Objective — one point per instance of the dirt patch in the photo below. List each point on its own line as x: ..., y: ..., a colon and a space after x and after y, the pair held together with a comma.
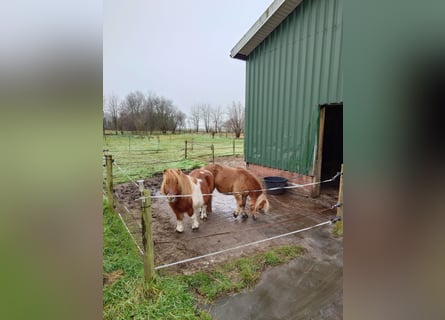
x: 111, y: 277
x: 288, y: 212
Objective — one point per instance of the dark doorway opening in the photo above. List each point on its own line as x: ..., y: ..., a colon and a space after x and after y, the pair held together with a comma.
x: 332, y: 144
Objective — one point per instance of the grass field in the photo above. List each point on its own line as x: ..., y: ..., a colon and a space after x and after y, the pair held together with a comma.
x: 169, y: 296
x: 139, y: 156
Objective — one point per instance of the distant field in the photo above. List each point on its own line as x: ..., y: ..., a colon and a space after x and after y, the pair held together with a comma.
x: 140, y: 156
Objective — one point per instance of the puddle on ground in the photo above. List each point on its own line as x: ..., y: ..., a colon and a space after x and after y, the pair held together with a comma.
x: 309, y: 287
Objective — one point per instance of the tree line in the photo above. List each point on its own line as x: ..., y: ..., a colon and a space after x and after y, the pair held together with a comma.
x: 145, y: 113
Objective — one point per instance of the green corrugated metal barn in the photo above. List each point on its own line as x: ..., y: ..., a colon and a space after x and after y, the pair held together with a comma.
x: 294, y: 90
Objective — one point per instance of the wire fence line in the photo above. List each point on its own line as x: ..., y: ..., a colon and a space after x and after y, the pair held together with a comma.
x: 126, y: 227
x: 169, y: 150
x: 151, y: 165
x: 125, y: 173
x: 331, y: 221
x: 293, y: 186
x: 150, y: 162
x: 301, y: 216
x: 172, y: 145
x: 128, y: 230
x: 150, y: 159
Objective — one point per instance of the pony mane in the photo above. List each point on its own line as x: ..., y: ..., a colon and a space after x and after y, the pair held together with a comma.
x: 251, y: 176
x: 172, y: 176
x: 255, y: 178
x: 212, y: 168
x: 218, y: 168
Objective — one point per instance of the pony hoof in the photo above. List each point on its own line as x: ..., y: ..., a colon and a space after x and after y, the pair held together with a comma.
x: 254, y: 217
x: 194, y: 229
x: 235, y: 215
x: 245, y: 216
x: 205, y: 218
x: 177, y: 231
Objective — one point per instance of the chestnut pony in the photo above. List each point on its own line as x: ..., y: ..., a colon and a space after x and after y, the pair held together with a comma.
x: 198, y: 184
x: 242, y: 183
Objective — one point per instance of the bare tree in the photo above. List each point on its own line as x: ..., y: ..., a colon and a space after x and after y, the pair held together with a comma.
x: 141, y: 113
x: 149, y: 112
x: 164, y: 114
x: 189, y: 124
x: 178, y: 120
x: 125, y: 119
x: 206, y: 113
x: 236, y: 118
x: 113, y: 108
x: 134, y: 105
x: 195, y: 117
x: 217, y: 118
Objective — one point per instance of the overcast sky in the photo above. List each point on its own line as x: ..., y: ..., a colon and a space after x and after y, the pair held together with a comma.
x: 178, y: 49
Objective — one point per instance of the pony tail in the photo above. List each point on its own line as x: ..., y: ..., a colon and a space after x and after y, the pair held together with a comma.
x: 262, y: 200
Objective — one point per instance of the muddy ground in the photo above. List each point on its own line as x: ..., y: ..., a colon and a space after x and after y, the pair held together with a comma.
x: 288, y: 212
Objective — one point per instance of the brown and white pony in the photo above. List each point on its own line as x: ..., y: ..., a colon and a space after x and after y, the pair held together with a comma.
x: 241, y: 183
x: 198, y: 184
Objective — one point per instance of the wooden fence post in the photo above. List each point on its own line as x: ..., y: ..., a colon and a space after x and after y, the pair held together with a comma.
x: 109, y: 166
x: 213, y: 152
x: 147, y: 236
x: 185, y: 155
x: 233, y: 146
x: 339, y: 224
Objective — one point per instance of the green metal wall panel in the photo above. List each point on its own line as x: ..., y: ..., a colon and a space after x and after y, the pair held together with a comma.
x: 294, y: 70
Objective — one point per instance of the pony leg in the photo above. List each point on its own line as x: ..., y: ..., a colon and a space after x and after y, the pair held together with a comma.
x: 195, y: 222
x: 209, y: 205
x: 179, y: 226
x: 243, y: 207
x: 238, y: 209
x: 204, y: 213
x: 252, y: 211
x: 193, y: 214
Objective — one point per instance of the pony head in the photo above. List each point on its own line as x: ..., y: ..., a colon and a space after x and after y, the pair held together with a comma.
x: 262, y: 203
x: 171, y: 185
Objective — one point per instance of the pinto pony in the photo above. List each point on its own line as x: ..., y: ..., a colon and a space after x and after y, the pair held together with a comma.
x: 242, y: 183
x: 198, y: 185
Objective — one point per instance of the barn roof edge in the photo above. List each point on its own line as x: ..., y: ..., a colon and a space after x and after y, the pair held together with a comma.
x: 260, y: 30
